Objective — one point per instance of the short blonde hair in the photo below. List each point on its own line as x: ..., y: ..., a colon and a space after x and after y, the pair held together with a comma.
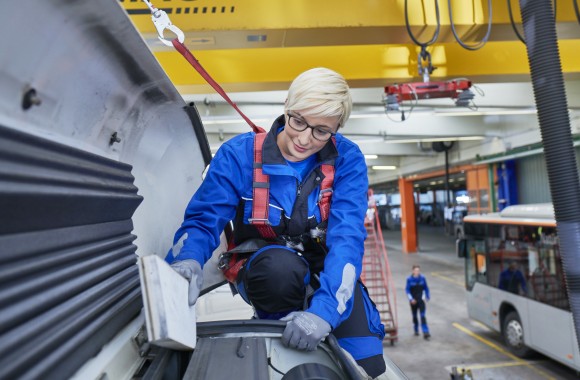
x: 320, y: 92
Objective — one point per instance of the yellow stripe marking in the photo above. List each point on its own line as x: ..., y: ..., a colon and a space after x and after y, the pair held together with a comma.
x: 446, y: 278
x: 491, y: 365
x: 501, y: 350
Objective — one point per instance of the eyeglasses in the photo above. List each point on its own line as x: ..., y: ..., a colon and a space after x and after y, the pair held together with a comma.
x: 299, y: 125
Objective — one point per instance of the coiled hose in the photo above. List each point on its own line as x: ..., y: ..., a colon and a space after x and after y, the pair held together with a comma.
x: 552, y: 106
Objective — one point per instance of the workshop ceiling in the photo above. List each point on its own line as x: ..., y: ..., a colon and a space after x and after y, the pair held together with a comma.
x: 255, y: 48
x: 257, y: 45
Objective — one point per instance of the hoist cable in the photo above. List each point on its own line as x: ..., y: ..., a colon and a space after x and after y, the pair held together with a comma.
x: 513, y: 23
x: 435, y: 34
x: 478, y: 45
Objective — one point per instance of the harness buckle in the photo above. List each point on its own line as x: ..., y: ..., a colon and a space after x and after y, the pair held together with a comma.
x: 260, y: 220
x: 324, y: 193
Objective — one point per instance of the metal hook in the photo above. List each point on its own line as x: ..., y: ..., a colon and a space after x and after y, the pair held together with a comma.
x: 162, y: 22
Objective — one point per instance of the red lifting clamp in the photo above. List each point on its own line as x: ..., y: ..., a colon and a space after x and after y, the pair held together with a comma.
x: 455, y: 89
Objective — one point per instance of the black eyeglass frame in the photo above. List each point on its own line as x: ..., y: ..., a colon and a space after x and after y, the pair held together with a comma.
x: 332, y: 134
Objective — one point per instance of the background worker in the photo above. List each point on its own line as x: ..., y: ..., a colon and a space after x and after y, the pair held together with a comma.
x: 418, y: 294
x: 512, y: 279
x: 298, y: 250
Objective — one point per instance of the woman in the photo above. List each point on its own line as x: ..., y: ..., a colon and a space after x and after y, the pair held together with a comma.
x: 303, y: 265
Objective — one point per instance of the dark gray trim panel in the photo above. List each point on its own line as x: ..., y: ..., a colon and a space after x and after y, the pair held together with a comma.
x: 68, y: 279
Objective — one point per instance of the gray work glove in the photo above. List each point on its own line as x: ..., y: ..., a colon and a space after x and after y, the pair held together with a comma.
x: 304, y: 330
x: 191, y: 270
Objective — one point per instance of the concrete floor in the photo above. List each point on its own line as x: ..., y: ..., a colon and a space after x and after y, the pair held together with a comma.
x: 456, y: 340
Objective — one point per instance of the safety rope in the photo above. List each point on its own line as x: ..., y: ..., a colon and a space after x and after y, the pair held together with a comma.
x: 162, y: 23
x: 180, y: 47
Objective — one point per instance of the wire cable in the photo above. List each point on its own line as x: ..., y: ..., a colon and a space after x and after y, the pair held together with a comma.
x: 435, y: 34
x: 274, y: 368
x: 478, y: 45
x: 513, y: 23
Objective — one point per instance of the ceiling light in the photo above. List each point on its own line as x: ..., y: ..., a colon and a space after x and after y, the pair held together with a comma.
x: 367, y: 115
x: 232, y: 121
x: 433, y: 183
x: 488, y: 113
x: 371, y: 156
x: 383, y: 167
x: 435, y: 139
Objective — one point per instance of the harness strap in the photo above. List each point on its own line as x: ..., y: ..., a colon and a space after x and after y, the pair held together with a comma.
x: 325, y: 194
x: 180, y: 47
x: 261, y: 192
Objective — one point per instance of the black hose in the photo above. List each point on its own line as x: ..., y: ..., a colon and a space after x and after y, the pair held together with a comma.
x: 481, y: 43
x: 513, y: 23
x: 576, y: 10
x: 552, y: 106
x: 435, y: 34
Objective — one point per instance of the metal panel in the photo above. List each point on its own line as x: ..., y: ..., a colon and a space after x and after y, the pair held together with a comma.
x: 533, y: 180
x: 246, y: 358
x: 68, y: 280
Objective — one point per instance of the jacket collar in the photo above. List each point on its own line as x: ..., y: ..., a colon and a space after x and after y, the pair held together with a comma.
x: 271, y: 152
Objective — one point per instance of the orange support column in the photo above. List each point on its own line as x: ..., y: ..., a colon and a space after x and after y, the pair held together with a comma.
x: 408, y: 217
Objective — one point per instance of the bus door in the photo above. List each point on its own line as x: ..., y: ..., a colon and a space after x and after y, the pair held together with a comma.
x: 479, y: 301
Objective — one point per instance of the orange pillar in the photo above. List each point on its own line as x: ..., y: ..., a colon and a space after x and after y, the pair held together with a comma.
x: 408, y: 217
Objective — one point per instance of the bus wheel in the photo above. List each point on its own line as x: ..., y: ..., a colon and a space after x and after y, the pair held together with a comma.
x: 513, y: 335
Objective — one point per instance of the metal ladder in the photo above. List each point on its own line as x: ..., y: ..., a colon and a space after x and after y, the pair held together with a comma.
x: 376, y: 273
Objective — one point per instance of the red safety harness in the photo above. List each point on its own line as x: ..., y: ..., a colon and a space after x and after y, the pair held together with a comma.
x: 261, y: 192
x: 261, y: 181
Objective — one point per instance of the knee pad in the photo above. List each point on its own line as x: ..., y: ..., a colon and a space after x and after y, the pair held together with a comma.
x: 274, y: 280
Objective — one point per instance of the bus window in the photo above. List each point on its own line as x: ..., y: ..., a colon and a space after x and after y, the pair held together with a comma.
x: 546, y: 274
x: 476, y: 267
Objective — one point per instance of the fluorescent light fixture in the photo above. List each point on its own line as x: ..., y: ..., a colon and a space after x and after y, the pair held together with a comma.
x: 487, y: 113
x: 462, y: 199
x: 232, y: 121
x: 371, y: 156
x: 435, y: 139
x: 383, y: 167
x: 368, y: 115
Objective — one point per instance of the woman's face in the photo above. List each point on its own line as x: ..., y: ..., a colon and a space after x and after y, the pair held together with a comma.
x: 297, y: 146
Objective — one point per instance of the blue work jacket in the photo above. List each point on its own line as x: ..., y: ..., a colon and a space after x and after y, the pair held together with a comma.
x: 229, y: 183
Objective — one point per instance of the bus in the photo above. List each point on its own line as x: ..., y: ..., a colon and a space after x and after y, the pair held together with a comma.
x: 515, y: 281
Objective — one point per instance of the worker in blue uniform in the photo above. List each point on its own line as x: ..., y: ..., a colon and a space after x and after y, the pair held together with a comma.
x: 418, y: 294
x: 308, y: 273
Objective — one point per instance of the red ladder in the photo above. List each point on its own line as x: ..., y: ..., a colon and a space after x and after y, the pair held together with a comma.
x: 376, y: 273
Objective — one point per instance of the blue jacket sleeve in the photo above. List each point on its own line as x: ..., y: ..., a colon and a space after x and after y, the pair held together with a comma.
x: 212, y: 206
x: 522, y: 280
x: 408, y: 289
x: 426, y: 289
x: 345, y: 239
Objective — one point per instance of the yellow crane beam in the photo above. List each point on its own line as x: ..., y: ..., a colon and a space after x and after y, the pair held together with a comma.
x: 255, y: 45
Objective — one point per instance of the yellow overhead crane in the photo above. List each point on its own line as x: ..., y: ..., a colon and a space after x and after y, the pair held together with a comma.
x: 257, y: 45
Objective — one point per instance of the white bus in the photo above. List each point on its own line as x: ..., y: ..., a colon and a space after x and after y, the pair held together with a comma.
x: 515, y: 281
